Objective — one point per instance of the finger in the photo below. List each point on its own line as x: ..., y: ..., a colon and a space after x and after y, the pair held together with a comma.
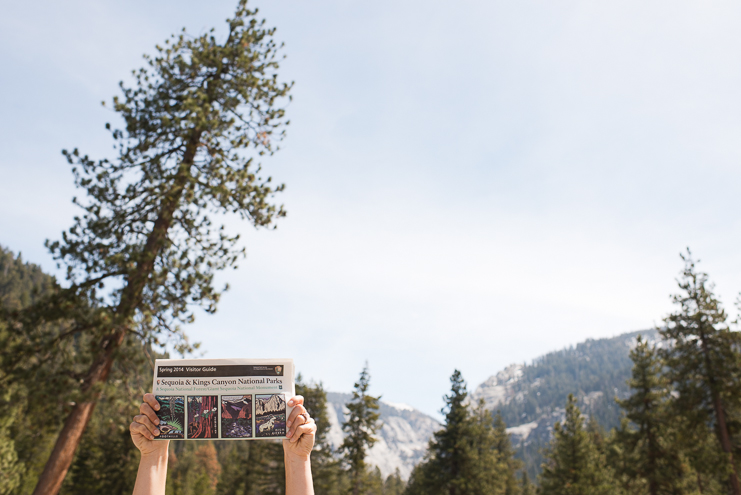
x: 146, y: 409
x: 296, y: 411
x: 308, y: 429
x: 298, y: 421
x: 295, y: 400
x: 296, y: 426
x: 141, y: 430
x: 144, y: 420
x: 152, y: 401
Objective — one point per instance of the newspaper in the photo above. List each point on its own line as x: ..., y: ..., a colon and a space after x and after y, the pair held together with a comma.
x: 225, y: 399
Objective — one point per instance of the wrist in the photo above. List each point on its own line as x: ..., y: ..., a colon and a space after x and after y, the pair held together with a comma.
x: 296, y: 458
x: 155, y: 455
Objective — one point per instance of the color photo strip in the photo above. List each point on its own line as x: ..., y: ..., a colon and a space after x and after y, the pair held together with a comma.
x: 227, y: 417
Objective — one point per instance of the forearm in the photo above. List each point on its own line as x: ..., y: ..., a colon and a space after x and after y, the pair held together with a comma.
x: 152, y: 474
x: 298, y: 476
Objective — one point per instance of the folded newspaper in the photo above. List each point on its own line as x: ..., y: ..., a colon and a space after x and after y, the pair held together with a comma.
x: 229, y: 399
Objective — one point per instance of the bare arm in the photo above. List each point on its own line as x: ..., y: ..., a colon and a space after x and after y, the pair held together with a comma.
x: 152, y: 474
x: 297, y: 449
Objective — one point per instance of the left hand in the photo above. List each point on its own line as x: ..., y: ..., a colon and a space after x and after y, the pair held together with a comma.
x: 301, y: 430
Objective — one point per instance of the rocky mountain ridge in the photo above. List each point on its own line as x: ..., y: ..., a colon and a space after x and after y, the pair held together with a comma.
x: 275, y: 403
x: 402, y: 441
x: 530, y: 397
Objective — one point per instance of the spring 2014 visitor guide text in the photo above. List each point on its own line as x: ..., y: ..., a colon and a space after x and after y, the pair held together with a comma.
x: 223, y: 399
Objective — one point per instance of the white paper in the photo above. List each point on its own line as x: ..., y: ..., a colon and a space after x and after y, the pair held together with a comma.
x: 223, y: 399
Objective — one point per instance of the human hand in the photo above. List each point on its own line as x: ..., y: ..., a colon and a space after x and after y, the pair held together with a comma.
x: 144, y: 428
x: 301, y: 430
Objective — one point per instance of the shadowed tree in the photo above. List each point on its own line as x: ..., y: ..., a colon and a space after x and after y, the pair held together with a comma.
x: 360, y: 428
x: 526, y: 486
x: 704, y: 363
x: 645, y: 441
x: 143, y: 254
x: 326, y: 465
x: 574, y: 465
x: 503, y: 446
x: 469, y: 455
x: 393, y: 485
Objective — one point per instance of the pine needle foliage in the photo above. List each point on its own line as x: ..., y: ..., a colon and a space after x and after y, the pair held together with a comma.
x: 650, y: 457
x: 704, y: 366
x: 143, y: 254
x: 465, y: 457
x: 360, y: 426
x: 326, y: 465
x: 574, y: 464
x: 506, y: 454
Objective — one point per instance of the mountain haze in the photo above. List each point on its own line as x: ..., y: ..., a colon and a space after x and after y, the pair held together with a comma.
x: 530, y: 397
x: 402, y: 441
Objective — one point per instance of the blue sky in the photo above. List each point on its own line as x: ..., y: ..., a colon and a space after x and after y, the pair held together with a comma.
x: 469, y: 184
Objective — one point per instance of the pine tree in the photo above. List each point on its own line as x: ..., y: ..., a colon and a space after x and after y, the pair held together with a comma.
x: 10, y: 468
x: 360, y: 427
x: 526, y: 486
x: 506, y: 454
x: 463, y: 457
x: 143, y: 254
x: 35, y: 391
x: 704, y: 363
x: 329, y: 477
x: 394, y: 484
x: 194, y: 469
x: 573, y: 463
x: 373, y: 482
x: 645, y: 438
x: 251, y: 468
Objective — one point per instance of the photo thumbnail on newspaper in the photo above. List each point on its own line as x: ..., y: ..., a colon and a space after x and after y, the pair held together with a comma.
x: 223, y: 399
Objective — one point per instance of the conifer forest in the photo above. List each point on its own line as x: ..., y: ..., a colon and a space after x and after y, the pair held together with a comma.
x: 160, y: 228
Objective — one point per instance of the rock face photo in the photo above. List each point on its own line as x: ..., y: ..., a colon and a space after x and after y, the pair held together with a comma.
x: 270, y: 415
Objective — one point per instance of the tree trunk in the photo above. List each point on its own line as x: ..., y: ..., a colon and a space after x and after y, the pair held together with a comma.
x: 700, y: 486
x: 725, y: 442
x: 720, y: 417
x: 68, y: 440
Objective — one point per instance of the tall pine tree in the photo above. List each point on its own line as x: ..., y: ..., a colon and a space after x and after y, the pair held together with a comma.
x: 574, y: 465
x: 394, y: 484
x: 464, y: 456
x: 645, y: 441
x: 326, y: 467
x: 506, y: 454
x: 704, y: 362
x: 360, y: 427
x: 526, y: 486
x: 143, y: 254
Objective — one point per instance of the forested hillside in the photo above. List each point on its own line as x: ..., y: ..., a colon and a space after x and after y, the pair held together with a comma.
x: 531, y: 398
x: 38, y: 385
x: 20, y: 283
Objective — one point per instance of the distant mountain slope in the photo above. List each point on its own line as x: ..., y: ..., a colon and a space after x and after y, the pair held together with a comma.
x: 531, y: 397
x: 21, y: 283
x: 402, y: 441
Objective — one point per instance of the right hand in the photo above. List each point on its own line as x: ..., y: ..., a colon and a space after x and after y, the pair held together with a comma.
x: 144, y: 428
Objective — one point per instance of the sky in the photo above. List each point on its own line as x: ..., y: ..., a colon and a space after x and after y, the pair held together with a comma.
x: 468, y: 184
